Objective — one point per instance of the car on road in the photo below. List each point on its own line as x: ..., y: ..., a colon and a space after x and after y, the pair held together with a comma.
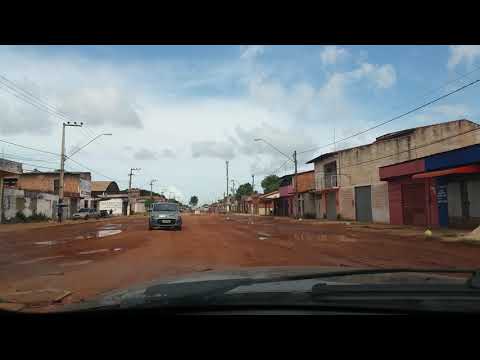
x: 85, y: 214
x: 164, y: 215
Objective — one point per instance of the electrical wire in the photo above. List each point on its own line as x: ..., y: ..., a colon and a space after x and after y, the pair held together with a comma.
x: 394, y: 118
x: 410, y: 149
x: 29, y: 148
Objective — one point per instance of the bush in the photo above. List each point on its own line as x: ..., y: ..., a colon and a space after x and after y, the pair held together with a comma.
x: 20, y: 217
x: 39, y: 217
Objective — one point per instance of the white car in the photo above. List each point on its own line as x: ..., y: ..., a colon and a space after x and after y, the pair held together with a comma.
x: 86, y: 214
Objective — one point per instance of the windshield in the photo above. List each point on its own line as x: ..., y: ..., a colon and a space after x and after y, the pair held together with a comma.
x: 126, y: 165
x: 165, y: 207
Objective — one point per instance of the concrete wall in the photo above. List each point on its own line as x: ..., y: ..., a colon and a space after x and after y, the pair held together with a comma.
x: 380, y: 206
x: 116, y: 205
x: 45, y: 183
x: 139, y: 207
x: 29, y: 203
x: 347, y: 203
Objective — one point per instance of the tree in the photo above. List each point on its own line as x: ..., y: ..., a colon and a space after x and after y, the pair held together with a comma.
x: 244, y: 189
x: 194, y: 200
x: 270, y: 183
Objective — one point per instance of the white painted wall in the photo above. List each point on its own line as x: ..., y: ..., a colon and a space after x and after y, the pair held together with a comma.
x: 29, y: 203
x: 114, y: 204
x: 380, y: 207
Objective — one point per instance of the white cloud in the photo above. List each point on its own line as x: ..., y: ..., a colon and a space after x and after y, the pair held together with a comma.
x: 332, y: 54
x: 467, y: 54
x: 213, y: 149
x: 444, y: 112
x: 144, y: 154
x: 250, y: 52
x: 101, y: 105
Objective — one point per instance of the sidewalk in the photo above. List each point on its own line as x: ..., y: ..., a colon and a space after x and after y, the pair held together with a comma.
x: 441, y: 234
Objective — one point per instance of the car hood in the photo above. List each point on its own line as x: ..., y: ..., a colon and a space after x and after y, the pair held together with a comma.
x: 238, y: 280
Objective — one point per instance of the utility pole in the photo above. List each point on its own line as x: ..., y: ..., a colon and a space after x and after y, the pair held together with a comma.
x: 129, y: 208
x: 151, y: 188
x: 62, y: 168
x: 296, y: 184
x: 228, y: 200
x: 253, y: 194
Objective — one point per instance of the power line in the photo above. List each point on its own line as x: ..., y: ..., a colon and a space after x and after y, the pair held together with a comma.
x: 18, y: 89
x: 93, y: 171
x: 35, y: 103
x: 410, y: 149
x: 17, y: 157
x: 394, y: 118
x: 28, y: 147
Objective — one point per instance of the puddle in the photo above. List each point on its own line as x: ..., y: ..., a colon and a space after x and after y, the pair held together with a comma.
x: 92, y: 251
x: 111, y: 226
x: 80, y: 237
x: 262, y: 238
x: 117, y: 249
x: 103, y: 233
x: 75, y: 263
x: 50, y: 242
x: 32, y: 261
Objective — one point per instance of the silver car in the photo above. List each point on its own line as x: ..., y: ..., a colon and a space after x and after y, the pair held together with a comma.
x: 164, y: 215
x: 86, y: 214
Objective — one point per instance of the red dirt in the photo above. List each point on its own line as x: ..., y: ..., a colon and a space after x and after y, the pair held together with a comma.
x: 208, y: 241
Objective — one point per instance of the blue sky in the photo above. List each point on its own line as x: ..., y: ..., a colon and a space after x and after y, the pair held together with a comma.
x: 179, y: 112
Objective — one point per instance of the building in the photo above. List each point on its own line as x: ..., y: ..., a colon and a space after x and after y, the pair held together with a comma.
x: 77, y: 187
x: 306, y: 194
x: 266, y: 203
x: 100, y: 189
x: 348, y: 183
x: 283, y: 205
x: 437, y: 190
x: 7, y: 168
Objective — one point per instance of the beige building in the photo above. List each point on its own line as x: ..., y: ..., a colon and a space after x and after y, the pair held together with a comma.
x: 347, y: 182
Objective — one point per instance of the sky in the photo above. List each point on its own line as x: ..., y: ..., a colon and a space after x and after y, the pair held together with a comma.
x: 179, y: 112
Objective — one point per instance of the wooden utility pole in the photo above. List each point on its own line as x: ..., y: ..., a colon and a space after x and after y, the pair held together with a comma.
x: 129, y: 208
x: 296, y: 184
x: 62, y: 169
x: 228, y: 200
x: 151, y: 188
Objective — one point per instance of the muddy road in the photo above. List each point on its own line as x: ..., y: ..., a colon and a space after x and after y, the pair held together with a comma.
x: 86, y: 259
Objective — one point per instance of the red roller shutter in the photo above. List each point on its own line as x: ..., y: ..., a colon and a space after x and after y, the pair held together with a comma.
x: 413, y: 200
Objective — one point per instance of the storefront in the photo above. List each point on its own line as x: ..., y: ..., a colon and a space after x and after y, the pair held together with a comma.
x: 438, y: 190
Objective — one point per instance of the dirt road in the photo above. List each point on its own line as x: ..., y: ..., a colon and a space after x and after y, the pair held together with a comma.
x: 98, y: 256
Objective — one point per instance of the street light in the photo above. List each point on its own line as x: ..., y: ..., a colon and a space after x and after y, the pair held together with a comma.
x: 294, y: 160
x: 95, y: 138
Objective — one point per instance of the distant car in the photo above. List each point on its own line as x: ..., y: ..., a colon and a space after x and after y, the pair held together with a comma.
x: 164, y: 215
x: 86, y: 213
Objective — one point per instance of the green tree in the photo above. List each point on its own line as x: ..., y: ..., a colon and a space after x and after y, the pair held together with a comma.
x: 244, y: 189
x: 270, y: 183
x: 194, y: 200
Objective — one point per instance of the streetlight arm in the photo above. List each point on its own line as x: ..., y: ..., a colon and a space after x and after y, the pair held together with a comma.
x: 95, y: 138
x: 278, y: 150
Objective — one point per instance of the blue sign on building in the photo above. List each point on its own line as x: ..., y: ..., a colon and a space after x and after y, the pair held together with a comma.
x: 464, y: 156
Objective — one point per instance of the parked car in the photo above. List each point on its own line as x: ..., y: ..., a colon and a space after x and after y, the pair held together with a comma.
x: 86, y: 213
x: 164, y: 215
